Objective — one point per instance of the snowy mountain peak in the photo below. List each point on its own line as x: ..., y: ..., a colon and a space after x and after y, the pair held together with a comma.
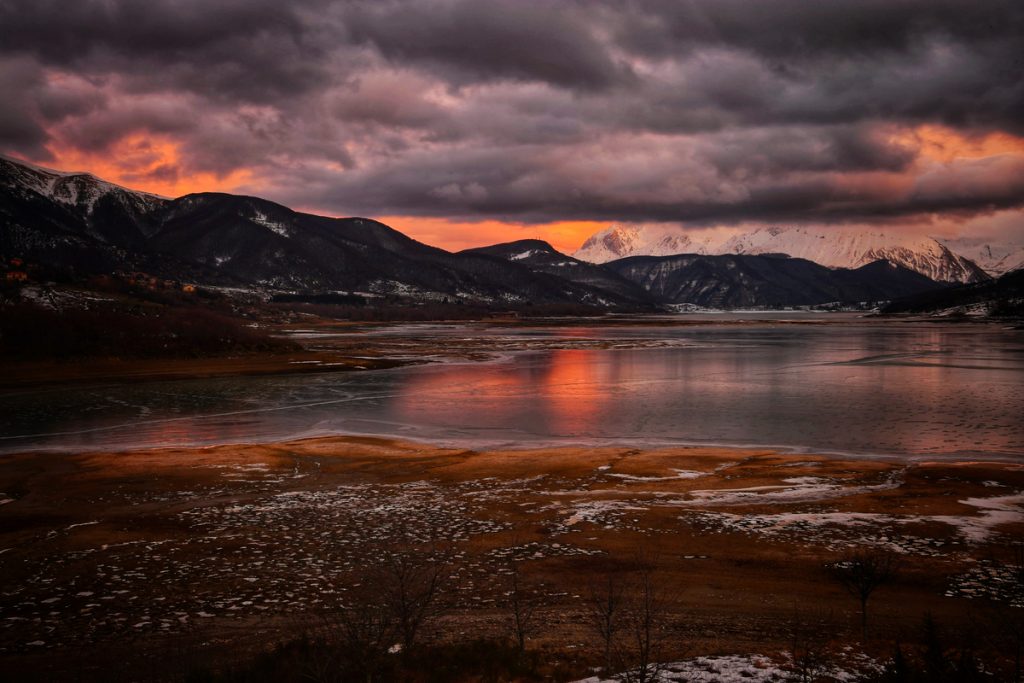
x: 619, y: 241
x: 996, y: 259
x: 72, y: 189
x: 838, y: 247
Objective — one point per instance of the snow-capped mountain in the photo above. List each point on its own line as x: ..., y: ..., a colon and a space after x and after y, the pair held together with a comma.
x: 80, y: 190
x: 831, y: 247
x: 109, y: 213
x: 619, y: 241
x: 995, y: 258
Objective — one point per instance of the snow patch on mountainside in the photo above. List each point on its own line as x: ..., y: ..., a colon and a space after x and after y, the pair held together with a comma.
x: 838, y: 247
x: 278, y: 227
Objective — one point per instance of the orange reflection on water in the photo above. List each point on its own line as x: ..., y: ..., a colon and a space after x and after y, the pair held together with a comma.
x: 572, y: 389
x: 565, y: 389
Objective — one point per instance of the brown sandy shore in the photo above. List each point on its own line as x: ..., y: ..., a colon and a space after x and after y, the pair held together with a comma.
x: 167, y: 560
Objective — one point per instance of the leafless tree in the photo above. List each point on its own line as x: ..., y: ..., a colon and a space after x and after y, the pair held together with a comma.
x: 384, y: 606
x: 645, y: 620
x: 365, y: 629
x: 522, y: 606
x: 410, y: 584
x: 861, y: 573
x: 606, y: 613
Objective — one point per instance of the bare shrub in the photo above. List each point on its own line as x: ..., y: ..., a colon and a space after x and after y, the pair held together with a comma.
x: 606, y: 613
x: 522, y: 606
x: 861, y: 574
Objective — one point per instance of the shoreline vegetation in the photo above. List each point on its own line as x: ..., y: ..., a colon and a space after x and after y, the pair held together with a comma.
x: 284, y: 562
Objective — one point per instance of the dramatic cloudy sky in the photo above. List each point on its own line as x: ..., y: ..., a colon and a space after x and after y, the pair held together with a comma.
x: 465, y: 122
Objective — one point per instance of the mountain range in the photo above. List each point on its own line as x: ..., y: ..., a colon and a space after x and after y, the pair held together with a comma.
x: 836, y: 247
x: 84, y: 225
x: 772, y: 280
x: 77, y: 221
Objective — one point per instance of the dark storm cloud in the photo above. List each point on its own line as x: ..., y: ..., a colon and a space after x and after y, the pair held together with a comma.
x: 799, y: 29
x: 517, y: 39
x: 707, y: 111
x: 63, y: 32
x: 248, y: 49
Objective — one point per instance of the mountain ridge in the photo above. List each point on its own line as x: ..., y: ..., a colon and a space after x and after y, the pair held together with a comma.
x: 82, y: 224
x: 741, y: 280
x: 541, y: 257
x: 237, y: 240
x: 838, y: 247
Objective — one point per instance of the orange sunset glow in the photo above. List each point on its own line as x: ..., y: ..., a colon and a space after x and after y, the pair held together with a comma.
x: 149, y: 163
x: 943, y: 144
x: 454, y: 235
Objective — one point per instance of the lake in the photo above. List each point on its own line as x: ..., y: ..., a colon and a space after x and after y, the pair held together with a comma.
x: 817, y: 382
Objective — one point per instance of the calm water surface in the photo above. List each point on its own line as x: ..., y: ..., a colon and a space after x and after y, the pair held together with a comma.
x: 913, y: 389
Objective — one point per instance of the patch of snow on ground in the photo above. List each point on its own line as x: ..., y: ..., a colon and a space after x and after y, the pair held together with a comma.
x: 800, y: 490
x: 679, y: 474
x: 836, y: 529
x: 600, y: 512
x: 990, y: 581
x: 805, y: 480
x: 993, y: 512
x: 752, y: 668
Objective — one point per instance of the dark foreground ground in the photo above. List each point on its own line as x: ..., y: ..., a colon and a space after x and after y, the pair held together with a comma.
x: 305, y: 560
